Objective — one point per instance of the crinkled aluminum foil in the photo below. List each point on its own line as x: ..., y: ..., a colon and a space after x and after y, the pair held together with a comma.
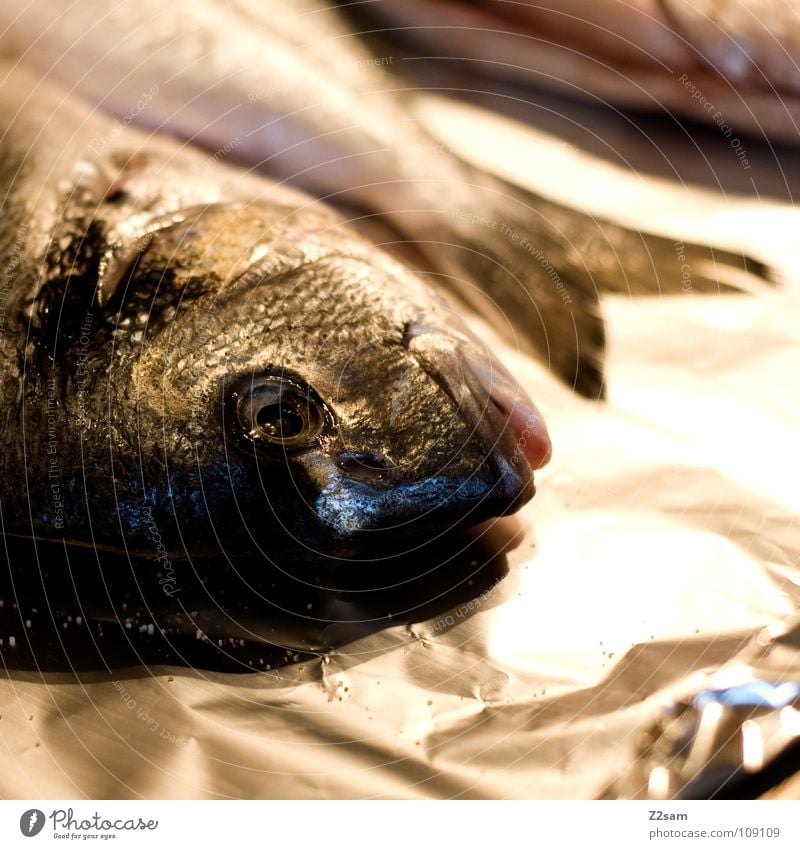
x: 630, y: 637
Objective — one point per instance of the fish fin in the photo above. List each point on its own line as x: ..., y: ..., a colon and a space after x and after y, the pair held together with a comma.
x: 495, y: 251
x: 610, y: 257
x: 126, y: 245
x: 117, y: 264
x: 621, y: 260
x: 541, y: 267
x: 554, y: 316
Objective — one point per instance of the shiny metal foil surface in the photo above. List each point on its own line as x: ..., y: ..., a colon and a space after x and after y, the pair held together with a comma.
x: 634, y: 635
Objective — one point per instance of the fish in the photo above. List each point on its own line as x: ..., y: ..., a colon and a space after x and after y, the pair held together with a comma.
x: 720, y: 62
x: 200, y: 365
x: 289, y: 88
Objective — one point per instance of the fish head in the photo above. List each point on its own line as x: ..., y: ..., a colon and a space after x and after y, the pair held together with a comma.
x: 314, y: 395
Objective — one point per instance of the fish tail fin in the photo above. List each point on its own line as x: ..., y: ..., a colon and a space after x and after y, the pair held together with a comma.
x: 500, y: 255
x: 634, y: 262
x: 614, y: 258
x: 537, y: 268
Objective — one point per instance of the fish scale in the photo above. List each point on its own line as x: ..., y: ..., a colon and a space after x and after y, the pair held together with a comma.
x: 304, y: 100
x: 207, y: 372
x: 166, y: 324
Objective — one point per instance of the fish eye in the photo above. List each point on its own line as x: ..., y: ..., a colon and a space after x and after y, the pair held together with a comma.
x: 278, y: 412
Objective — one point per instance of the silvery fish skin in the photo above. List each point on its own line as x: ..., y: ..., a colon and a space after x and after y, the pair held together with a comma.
x: 204, y: 361
x: 286, y: 86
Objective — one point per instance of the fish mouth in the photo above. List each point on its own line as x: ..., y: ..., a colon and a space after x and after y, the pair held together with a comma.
x: 369, y: 504
x: 504, y: 420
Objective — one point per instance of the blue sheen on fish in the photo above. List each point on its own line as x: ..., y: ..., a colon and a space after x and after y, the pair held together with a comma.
x: 216, y: 366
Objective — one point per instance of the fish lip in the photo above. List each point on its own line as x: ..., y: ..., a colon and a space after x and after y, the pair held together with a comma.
x: 419, y: 510
x: 505, y: 422
x: 522, y: 417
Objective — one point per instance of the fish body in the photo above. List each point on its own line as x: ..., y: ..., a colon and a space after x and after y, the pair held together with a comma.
x: 730, y: 64
x: 212, y: 388
x: 201, y: 363
x: 302, y: 98
x: 180, y: 265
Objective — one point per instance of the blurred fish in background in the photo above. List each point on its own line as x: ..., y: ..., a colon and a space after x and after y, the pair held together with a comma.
x: 731, y: 63
x: 328, y: 97
x: 303, y: 97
